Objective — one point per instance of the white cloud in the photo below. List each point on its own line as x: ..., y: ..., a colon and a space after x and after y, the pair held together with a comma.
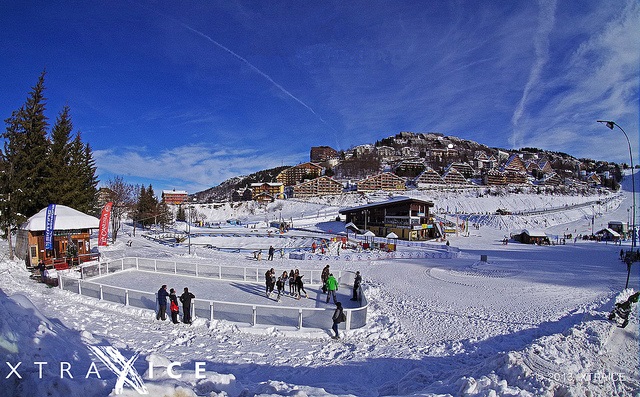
x: 546, y: 18
x: 193, y: 167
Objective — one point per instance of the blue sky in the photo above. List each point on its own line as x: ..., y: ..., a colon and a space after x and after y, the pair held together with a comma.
x: 187, y: 94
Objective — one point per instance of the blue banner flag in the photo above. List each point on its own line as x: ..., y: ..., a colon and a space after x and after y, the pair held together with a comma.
x: 50, y: 219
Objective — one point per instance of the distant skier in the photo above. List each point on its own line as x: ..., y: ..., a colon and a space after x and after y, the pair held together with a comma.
x: 186, y: 298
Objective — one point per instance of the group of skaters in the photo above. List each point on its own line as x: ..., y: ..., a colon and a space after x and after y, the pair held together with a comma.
x: 330, y: 287
x: 296, y: 289
x: 185, y: 299
x: 293, y: 279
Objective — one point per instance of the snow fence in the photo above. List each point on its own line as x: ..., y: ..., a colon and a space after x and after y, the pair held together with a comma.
x: 242, y: 313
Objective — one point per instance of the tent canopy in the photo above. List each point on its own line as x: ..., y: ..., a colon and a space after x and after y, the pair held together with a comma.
x: 66, y: 218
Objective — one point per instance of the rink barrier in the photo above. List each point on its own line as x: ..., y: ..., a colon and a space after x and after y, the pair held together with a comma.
x: 243, y: 313
x: 375, y: 255
x: 206, y: 270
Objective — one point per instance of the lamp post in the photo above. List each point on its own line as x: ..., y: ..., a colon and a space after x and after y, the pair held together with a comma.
x: 610, y: 125
x: 189, y: 230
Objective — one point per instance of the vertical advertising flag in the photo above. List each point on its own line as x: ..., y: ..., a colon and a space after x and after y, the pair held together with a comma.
x: 50, y: 219
x: 105, y: 217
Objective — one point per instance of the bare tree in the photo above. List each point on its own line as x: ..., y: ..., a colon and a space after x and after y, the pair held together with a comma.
x: 123, y: 196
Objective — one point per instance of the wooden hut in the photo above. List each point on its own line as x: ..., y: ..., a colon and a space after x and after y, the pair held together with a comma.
x: 71, y: 231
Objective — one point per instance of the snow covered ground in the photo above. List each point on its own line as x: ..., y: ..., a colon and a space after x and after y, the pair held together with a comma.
x: 530, y: 321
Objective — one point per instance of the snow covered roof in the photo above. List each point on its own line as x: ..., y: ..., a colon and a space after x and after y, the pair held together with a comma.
x: 393, y: 200
x: 174, y: 192
x: 535, y: 233
x: 66, y: 219
x: 610, y: 231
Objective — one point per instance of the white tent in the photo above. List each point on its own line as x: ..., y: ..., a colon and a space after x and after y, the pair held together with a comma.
x: 66, y: 218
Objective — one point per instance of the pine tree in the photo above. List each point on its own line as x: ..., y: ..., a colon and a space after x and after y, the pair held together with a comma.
x: 180, y: 214
x: 61, y: 176
x: 87, y: 181
x: 164, y: 214
x: 25, y: 155
x: 147, y: 207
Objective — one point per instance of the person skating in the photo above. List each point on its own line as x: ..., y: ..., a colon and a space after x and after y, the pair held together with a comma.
x: 332, y: 287
x: 162, y: 303
x: 356, y: 285
x: 282, y: 280
x: 292, y: 283
x: 324, y: 276
x: 173, y: 298
x: 186, y: 298
x: 338, y: 317
x: 271, y: 252
x: 300, y: 285
x: 269, y: 281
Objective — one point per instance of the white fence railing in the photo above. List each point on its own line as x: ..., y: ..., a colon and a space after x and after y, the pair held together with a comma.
x: 252, y: 314
x: 375, y: 255
x: 206, y: 270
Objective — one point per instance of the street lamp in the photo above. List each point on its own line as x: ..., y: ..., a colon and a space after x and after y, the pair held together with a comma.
x: 611, y: 124
x: 189, y: 230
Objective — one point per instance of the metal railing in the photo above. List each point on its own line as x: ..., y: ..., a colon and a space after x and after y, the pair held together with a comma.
x: 245, y: 313
x: 206, y: 270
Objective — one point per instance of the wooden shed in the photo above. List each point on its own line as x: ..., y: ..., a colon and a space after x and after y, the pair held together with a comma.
x: 71, y: 231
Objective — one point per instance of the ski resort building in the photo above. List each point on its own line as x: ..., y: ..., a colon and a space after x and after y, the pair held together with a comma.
x: 408, y: 218
x: 71, y: 235
x: 299, y: 173
x: 175, y: 197
x: 428, y: 178
x: 384, y: 181
x: 267, y: 191
x: 317, y: 187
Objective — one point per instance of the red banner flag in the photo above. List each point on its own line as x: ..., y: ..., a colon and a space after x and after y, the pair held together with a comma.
x: 105, y: 217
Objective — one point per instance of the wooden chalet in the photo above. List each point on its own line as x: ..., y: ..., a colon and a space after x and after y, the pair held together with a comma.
x: 428, y: 178
x: 72, y: 232
x: 553, y: 180
x: 299, y: 173
x: 408, y: 218
x: 465, y: 169
x: 515, y: 163
x: 267, y: 191
x: 453, y: 177
x: 495, y: 178
x: 384, y: 181
x: 527, y: 236
x: 321, y: 186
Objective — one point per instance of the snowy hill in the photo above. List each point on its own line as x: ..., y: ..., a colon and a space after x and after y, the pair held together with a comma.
x: 530, y: 321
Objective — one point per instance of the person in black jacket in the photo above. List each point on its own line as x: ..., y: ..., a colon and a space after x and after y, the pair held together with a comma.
x: 356, y: 285
x: 337, y: 318
x: 186, y: 298
x: 162, y: 303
